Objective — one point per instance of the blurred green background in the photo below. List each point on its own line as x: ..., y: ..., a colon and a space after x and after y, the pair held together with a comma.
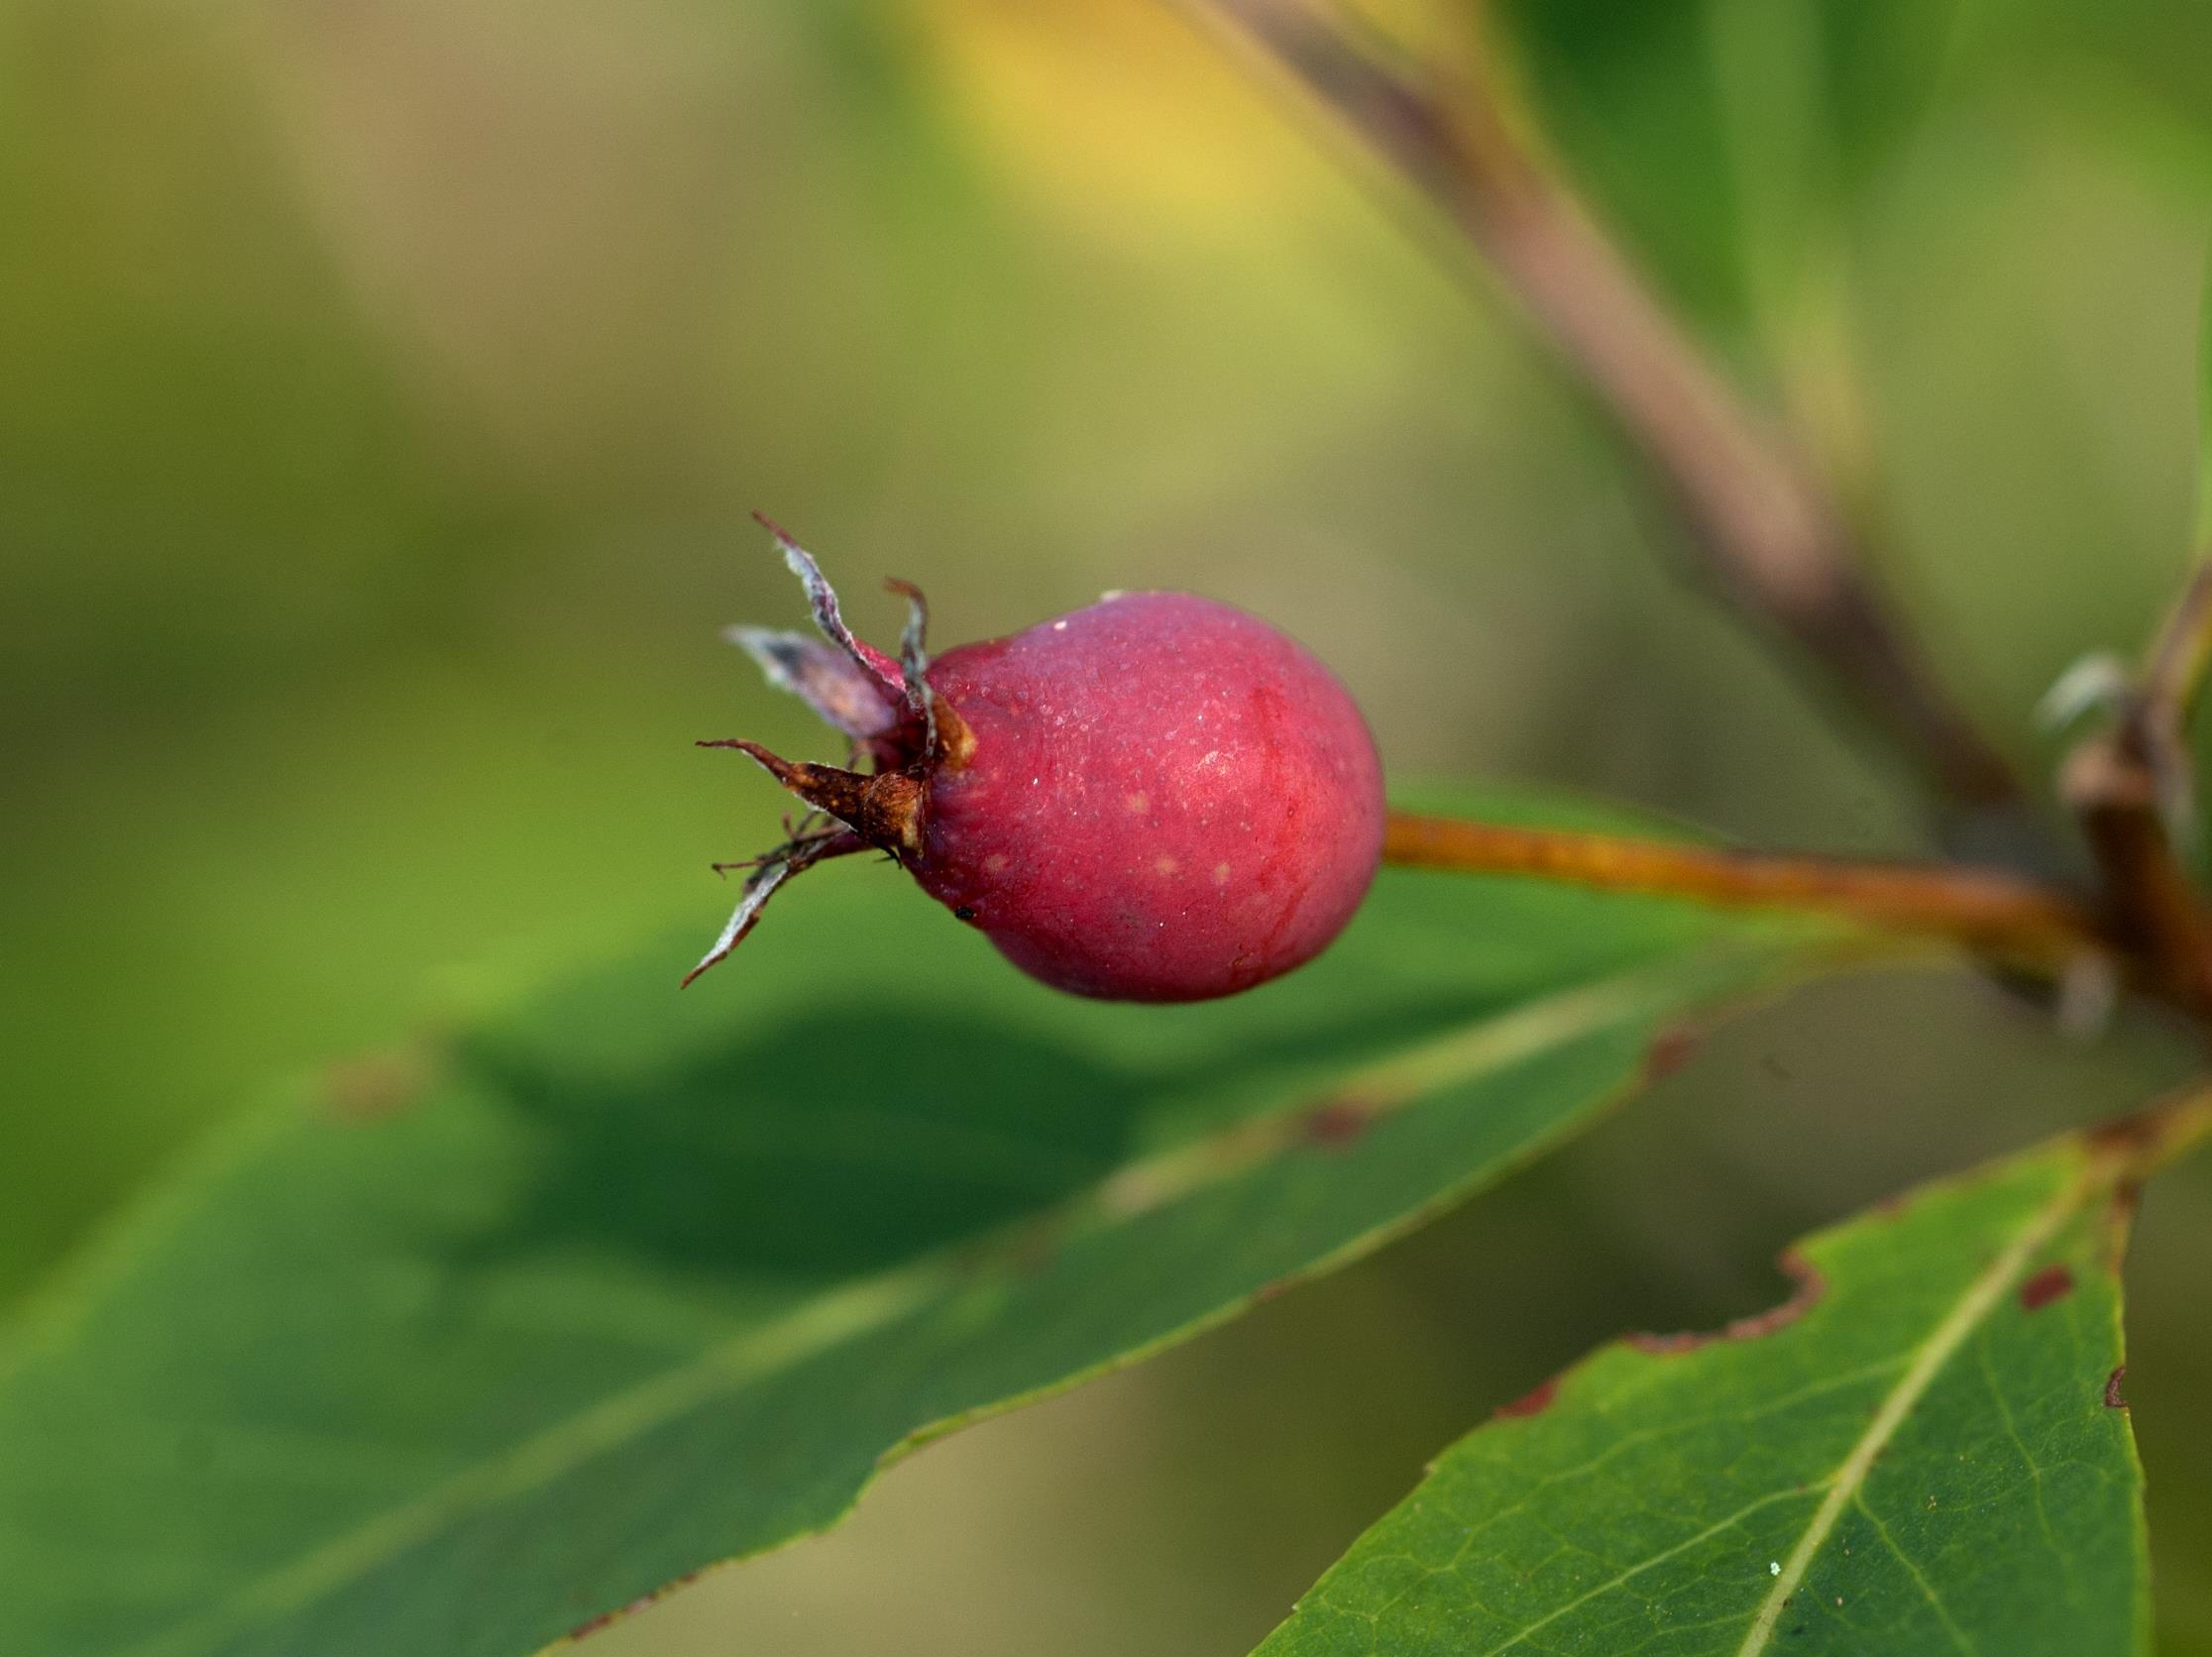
x: 386, y: 382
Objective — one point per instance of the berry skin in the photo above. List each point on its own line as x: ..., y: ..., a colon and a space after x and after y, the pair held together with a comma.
x: 1155, y: 798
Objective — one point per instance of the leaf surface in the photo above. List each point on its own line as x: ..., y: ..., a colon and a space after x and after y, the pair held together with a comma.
x: 460, y: 1350
x: 1926, y: 1449
x: 1733, y: 140
x: 1727, y: 135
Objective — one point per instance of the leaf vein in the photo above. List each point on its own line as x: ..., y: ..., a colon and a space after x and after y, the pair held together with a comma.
x: 1487, y: 1045
x: 1980, y: 1295
x: 1927, y: 1589
x: 1637, y: 1569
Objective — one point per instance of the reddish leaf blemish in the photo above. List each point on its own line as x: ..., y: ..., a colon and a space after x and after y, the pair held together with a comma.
x: 2053, y: 1283
x: 1668, y: 1052
x: 1337, y: 1124
x: 1535, y: 1402
x: 1810, y: 1286
x: 644, y: 1602
x: 2111, y: 1396
x: 378, y: 1085
x: 1668, y: 1345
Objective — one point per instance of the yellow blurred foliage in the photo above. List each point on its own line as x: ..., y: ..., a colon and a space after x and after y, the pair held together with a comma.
x: 1109, y: 110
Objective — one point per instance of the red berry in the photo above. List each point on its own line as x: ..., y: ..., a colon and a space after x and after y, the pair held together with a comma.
x: 1155, y: 798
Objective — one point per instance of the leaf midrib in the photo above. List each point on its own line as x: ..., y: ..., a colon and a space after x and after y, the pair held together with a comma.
x: 1942, y: 1344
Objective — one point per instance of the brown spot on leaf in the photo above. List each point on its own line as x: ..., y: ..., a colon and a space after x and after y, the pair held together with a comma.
x: 1535, y: 1402
x: 2053, y: 1283
x: 1339, y: 1123
x: 2112, y: 1395
x: 375, y: 1085
x: 644, y: 1602
x: 606, y: 1619
x: 1667, y: 1346
x: 1810, y: 1286
x: 1670, y: 1049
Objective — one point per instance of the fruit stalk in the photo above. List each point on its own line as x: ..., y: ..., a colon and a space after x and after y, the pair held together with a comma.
x: 1991, y: 914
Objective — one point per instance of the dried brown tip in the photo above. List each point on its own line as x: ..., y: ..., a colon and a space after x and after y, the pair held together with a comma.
x: 884, y: 810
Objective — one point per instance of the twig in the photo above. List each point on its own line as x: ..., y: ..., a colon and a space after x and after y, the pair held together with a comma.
x: 2131, y: 787
x: 1997, y: 914
x: 1770, y: 538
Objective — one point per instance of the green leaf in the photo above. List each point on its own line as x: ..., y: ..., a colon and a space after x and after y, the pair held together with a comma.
x: 1732, y: 140
x: 617, y: 1282
x: 1725, y: 134
x: 1924, y: 1450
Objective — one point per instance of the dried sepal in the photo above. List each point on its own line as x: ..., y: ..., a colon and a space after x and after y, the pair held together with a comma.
x: 844, y: 694
x: 772, y: 870
x: 884, y: 807
x: 821, y: 598
x: 914, y: 658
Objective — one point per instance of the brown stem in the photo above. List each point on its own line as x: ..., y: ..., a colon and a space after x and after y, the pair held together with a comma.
x: 2128, y: 784
x: 1768, y: 534
x: 1991, y: 914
